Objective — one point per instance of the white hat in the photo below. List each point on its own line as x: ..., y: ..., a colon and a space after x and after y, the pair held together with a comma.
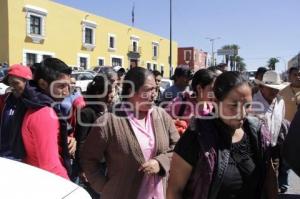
x: 117, y: 68
x: 272, y: 79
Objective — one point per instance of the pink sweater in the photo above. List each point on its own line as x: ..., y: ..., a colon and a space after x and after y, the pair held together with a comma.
x: 40, y: 132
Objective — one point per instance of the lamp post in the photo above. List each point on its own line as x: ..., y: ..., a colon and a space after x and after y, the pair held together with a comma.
x: 285, y: 65
x: 212, y: 41
x: 170, y: 57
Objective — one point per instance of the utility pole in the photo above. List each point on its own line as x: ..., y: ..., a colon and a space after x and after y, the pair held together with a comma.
x: 170, y: 57
x: 212, y: 41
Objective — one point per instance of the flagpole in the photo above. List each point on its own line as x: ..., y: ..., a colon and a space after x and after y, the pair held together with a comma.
x: 132, y: 14
x: 170, y: 35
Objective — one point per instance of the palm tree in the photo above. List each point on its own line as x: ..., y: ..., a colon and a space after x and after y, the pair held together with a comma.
x: 231, y: 58
x: 240, y: 64
x: 272, y: 63
x: 227, y: 57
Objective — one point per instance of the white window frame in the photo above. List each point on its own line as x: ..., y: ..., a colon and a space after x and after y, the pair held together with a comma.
x: 39, y: 54
x: 115, y: 42
x: 37, y: 12
x: 155, y: 44
x: 91, y: 25
x: 117, y: 56
x: 136, y: 39
x: 151, y: 65
x: 87, y: 56
x: 102, y: 58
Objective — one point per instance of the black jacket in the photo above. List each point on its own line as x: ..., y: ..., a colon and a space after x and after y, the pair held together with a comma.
x: 291, y: 146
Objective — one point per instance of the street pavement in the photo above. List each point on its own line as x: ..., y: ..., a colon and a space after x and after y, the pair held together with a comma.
x: 294, y: 188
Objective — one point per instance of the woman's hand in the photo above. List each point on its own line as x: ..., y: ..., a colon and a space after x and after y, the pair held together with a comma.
x: 72, y: 146
x: 150, y: 167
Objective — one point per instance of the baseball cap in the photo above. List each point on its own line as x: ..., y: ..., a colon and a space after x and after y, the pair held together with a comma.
x: 21, y: 71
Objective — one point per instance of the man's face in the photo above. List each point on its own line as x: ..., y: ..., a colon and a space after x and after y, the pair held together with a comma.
x: 17, y: 84
x: 269, y: 93
x: 294, y: 77
x: 184, y: 80
x: 60, y: 88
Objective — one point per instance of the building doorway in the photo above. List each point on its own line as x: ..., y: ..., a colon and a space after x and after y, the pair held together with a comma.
x: 133, y: 63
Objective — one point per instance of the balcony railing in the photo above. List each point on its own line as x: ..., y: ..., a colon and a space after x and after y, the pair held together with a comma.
x: 134, y: 49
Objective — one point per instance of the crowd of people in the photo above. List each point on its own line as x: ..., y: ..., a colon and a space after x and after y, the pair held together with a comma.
x: 212, y: 135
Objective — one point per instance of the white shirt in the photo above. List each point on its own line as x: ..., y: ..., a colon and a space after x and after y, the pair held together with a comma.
x: 272, y: 113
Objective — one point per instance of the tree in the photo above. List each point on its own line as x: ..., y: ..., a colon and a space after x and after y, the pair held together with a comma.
x: 272, y: 63
x: 231, y: 58
x: 240, y: 64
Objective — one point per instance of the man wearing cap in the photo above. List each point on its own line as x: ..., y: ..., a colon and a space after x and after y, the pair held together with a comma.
x: 181, y: 78
x: 270, y: 107
x: 12, y: 113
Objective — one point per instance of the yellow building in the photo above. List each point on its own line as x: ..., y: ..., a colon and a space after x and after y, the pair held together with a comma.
x: 34, y: 29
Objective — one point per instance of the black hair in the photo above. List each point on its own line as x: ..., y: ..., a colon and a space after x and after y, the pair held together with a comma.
x: 108, y: 71
x: 137, y: 77
x: 226, y: 82
x: 98, y: 86
x: 51, y: 69
x: 156, y: 73
x: 214, y: 69
x: 202, y: 77
x: 33, y: 68
x: 260, y: 71
x: 292, y: 69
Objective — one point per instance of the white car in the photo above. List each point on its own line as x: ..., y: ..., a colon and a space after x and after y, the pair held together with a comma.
x: 82, y: 79
x: 3, y: 88
x: 165, y: 83
x: 19, y: 180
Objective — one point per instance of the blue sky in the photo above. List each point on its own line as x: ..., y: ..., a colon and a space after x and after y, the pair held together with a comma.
x: 262, y: 28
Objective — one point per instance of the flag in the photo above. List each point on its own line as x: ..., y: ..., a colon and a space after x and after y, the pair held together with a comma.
x: 132, y: 15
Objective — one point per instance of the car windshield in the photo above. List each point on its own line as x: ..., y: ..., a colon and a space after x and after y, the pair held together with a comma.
x: 82, y: 76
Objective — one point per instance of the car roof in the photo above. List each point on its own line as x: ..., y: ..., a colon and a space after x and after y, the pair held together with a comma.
x: 19, y: 180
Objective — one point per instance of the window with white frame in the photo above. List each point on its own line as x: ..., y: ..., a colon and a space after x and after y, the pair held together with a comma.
x: 134, y: 46
x: 111, y: 42
x: 155, y: 46
x: 31, y: 58
x: 115, y: 61
x: 89, y: 34
x: 134, y: 43
x: 100, y: 62
x: 35, y: 25
x: 35, y: 18
x: 149, y: 66
x: 83, y: 62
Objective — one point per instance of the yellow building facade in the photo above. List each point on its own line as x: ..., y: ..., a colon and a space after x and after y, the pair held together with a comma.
x: 32, y: 30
